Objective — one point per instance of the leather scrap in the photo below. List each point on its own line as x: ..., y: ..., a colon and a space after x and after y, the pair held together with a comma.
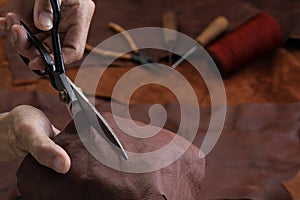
x: 257, y: 152
x: 89, y: 179
x: 293, y: 186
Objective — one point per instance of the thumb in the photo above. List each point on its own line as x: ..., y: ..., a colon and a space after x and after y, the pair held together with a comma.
x: 49, y: 154
x: 43, y: 15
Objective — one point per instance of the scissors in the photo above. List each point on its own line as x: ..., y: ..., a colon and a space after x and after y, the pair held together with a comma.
x: 68, y: 92
x: 136, y: 56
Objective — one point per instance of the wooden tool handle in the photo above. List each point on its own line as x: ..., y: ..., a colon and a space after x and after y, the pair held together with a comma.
x: 107, y: 53
x: 213, y: 30
x: 120, y: 29
x: 170, y: 22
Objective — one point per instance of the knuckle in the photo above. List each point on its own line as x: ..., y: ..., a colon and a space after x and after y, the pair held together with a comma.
x: 24, y: 126
x: 40, y: 150
x: 10, y: 15
x: 78, y: 53
x: 92, y: 5
x: 74, y: 55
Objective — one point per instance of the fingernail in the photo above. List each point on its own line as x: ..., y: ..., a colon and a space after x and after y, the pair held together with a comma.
x: 45, y: 19
x: 2, y: 25
x: 14, y: 36
x: 59, y: 164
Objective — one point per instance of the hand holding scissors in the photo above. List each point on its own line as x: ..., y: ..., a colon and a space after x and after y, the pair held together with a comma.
x: 76, y: 17
x: 69, y: 93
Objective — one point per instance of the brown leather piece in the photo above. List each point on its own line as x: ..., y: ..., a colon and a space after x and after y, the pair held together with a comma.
x: 51, y: 106
x: 90, y: 179
x: 236, y: 168
x: 273, y: 78
x: 256, y: 154
x: 8, y: 179
x: 257, y: 151
x: 293, y: 186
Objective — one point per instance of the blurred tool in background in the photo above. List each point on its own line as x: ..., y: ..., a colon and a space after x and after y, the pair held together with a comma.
x: 136, y: 56
x: 169, y: 21
x: 214, y: 29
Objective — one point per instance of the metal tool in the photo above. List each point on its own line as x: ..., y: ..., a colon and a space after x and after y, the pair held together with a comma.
x: 69, y: 93
x: 169, y: 21
x: 136, y: 56
x: 214, y: 29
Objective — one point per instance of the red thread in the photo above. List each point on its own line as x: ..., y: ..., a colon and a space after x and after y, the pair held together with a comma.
x: 252, y: 39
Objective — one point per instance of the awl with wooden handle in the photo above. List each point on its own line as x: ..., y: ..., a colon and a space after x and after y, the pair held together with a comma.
x: 169, y: 21
x: 214, y: 29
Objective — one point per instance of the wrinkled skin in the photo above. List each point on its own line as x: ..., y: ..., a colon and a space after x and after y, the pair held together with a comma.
x: 73, y: 28
x: 25, y: 130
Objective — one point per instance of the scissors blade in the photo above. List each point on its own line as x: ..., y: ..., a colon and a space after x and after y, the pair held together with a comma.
x: 96, y: 119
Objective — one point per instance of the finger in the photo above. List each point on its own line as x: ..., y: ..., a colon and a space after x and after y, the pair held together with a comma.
x: 44, y: 150
x: 51, y: 155
x: 11, y: 19
x: 42, y: 15
x: 37, y: 63
x: 56, y: 131
x: 18, y: 36
x: 33, y: 135
x: 3, y: 23
x: 77, y: 31
x: 19, y: 39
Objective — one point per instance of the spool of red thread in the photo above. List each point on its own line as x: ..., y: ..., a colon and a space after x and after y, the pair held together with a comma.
x: 254, y: 38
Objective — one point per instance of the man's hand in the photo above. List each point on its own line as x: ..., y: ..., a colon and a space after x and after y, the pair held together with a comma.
x: 75, y: 20
x: 27, y: 130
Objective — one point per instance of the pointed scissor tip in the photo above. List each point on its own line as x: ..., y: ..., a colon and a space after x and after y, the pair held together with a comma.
x: 124, y: 154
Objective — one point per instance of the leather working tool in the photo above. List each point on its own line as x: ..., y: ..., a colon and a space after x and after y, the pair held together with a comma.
x: 169, y: 21
x: 136, y: 56
x: 69, y: 93
x: 214, y: 29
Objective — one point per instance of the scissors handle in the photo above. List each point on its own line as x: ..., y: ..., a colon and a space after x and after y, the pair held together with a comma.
x: 57, y: 67
x: 50, y: 67
x: 56, y: 45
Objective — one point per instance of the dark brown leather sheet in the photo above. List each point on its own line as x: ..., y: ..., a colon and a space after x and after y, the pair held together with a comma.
x: 52, y: 108
x: 88, y: 178
x: 292, y: 186
x: 256, y: 154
